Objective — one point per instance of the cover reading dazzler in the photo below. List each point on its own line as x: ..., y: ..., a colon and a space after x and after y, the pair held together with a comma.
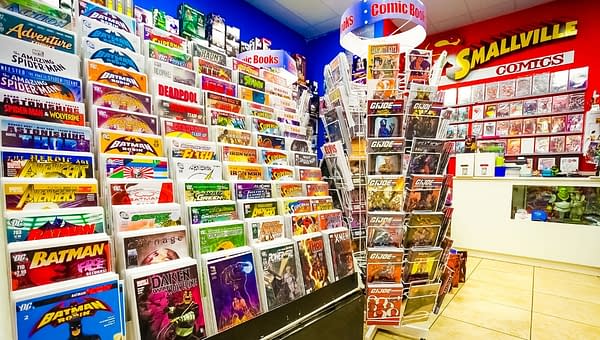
x: 82, y: 309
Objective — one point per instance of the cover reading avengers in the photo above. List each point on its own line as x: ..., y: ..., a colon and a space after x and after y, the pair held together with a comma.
x: 40, y: 84
x: 29, y: 194
x: 21, y: 133
x: 22, y: 163
x: 91, y: 311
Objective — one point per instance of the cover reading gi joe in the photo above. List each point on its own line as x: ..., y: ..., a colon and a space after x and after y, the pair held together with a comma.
x: 134, y: 167
x: 45, y: 224
x: 32, y: 163
x: 51, y: 110
x: 281, y: 282
x: 219, y: 211
x: 55, y: 261
x: 28, y: 134
x: 212, y: 237
x: 311, y: 250
x: 384, y: 304
x: 47, y: 193
x: 197, y: 191
x: 385, y: 119
x: 83, y: 310
x: 385, y: 193
x: 233, y: 288
x: 167, y: 303
x: 130, y: 144
x: 384, y: 265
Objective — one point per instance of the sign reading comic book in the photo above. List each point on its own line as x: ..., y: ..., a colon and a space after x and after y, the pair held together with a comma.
x: 274, y: 59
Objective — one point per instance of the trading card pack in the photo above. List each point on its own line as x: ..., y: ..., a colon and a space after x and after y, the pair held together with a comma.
x: 210, y: 212
x: 117, y: 98
x: 48, y: 193
x: 253, y: 190
x: 157, y: 69
x: 173, y: 128
x: 211, y: 69
x: 130, y: 144
x: 106, y: 16
x: 49, y: 164
x: 45, y: 224
x: 93, y: 29
x: 198, y: 191
x: 109, y: 119
x: 258, y: 208
x: 137, y: 191
x: 216, y: 85
x: 106, y: 53
x: 148, y: 216
x: 169, y: 55
x: 223, y: 102
x: 244, y: 172
x: 211, y: 237
x: 313, y: 265
x: 151, y: 246
x: 264, y: 229
x: 43, y: 109
x: 19, y: 79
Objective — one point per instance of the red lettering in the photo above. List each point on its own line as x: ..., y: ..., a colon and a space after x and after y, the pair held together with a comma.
x: 347, y: 22
x: 530, y: 65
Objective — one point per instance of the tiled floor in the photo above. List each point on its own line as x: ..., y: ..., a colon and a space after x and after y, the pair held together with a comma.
x: 502, y: 300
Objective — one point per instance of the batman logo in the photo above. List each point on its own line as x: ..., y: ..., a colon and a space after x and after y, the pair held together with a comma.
x: 112, y: 37
x: 131, y: 146
x: 109, y: 19
x: 116, y: 58
x: 119, y: 79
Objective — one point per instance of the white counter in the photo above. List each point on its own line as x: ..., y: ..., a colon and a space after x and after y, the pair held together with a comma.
x: 481, y: 222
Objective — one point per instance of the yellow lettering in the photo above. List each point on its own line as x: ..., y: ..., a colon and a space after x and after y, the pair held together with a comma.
x: 525, y: 38
x: 514, y: 45
x: 570, y: 28
x: 544, y: 35
x: 536, y: 36
x: 503, y: 48
x: 492, y: 52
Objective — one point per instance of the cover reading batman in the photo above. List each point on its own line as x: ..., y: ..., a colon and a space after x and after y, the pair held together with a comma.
x: 312, y: 262
x: 90, y: 312
x: 281, y: 282
x: 234, y: 290
x: 168, y: 305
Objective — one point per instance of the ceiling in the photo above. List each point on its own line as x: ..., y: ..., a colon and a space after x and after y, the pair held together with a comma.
x: 312, y: 18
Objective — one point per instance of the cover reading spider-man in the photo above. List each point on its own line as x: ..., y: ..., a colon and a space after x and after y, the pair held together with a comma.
x: 312, y: 263
x: 234, y: 290
x: 90, y: 312
x: 169, y: 305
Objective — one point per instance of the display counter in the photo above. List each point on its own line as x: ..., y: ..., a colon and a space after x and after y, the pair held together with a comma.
x: 487, y: 217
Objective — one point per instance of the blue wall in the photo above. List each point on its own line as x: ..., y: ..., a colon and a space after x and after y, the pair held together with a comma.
x: 251, y: 21
x: 320, y: 52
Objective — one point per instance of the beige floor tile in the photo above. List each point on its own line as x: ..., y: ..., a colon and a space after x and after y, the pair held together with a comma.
x: 472, y: 263
x: 568, y: 309
x: 501, y: 278
x: 382, y: 336
x: 553, y: 275
x: 571, y: 290
x: 546, y: 327
x: 447, y: 328
x: 507, y: 267
x: 513, y: 297
x: 505, y: 319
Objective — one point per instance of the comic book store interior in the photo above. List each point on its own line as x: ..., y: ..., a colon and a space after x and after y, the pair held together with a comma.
x: 297, y: 170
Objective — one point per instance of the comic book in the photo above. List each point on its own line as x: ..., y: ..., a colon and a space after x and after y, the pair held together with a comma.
x: 253, y: 190
x: 99, y: 51
x: 576, y: 102
x: 173, y: 90
x: 109, y: 17
x: 222, y: 102
x: 45, y: 224
x: 133, y: 167
x: 139, y: 191
x: 302, y: 223
x: 427, y: 157
x: 330, y: 219
x: 227, y: 119
x: 264, y: 229
x: 163, y: 307
x: 191, y: 149
x: 257, y: 110
x: 321, y: 203
x: 258, y: 208
x: 240, y: 65
x: 279, y: 173
x: 176, y: 128
x: 43, y: 12
x: 338, y: 251
x: 540, y: 84
x: 157, y: 69
x: 111, y: 119
x: 209, y: 212
x: 578, y: 78
x: 49, y: 164
x: 90, y: 306
x: 266, y: 126
x: 148, y: 216
x: 89, y: 28
x: 314, y: 189
x: 491, y: 91
x: 151, y: 246
x: 559, y: 81
x: 423, y: 193
x: 272, y: 156
x: 118, y: 98
x: 308, y: 174
x: 227, y: 135
x: 32, y: 82
x: 385, y: 229
x: 244, y: 172
x: 240, y: 154
x: 42, y: 109
x: 169, y: 55
x: 191, y: 22
x: 384, y: 265
x: 385, y: 119
x: 250, y: 81
x: 385, y: 193
x: 164, y: 38
x: 384, y: 304
x: 48, y: 193
x: 232, y: 288
x: 208, y: 54
x: 423, y: 120
x: 216, y: 236
x: 199, y: 191
x: 300, y: 145
x: 57, y: 260
x: 215, y: 85
x: 421, y: 236
x: 194, y: 169
x: 304, y: 159
x: 418, y: 308
x: 278, y: 273
x: 269, y: 141
x: 385, y: 156
x: 288, y: 189
x: 422, y: 264
x: 313, y: 264
x: 166, y: 108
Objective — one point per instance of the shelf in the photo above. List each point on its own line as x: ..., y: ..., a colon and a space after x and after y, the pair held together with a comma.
x: 495, y: 119
x: 503, y: 100
x: 549, y: 154
x: 480, y: 138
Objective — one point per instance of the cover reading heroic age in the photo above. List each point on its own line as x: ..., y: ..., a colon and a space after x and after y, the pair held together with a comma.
x: 233, y: 290
x: 90, y: 312
x: 168, y: 305
x: 31, y: 163
x: 281, y: 282
x: 312, y: 262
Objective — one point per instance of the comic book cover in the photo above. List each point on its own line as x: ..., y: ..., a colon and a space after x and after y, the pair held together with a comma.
x: 236, y: 171
x: 559, y: 124
x: 384, y: 305
x: 573, y: 143
x: 263, y: 229
x: 258, y: 110
x: 507, y: 88
x: 215, y: 85
x: 164, y: 308
x: 305, y: 223
x: 269, y: 141
x: 523, y: 87
x: 228, y: 135
x: 48, y: 164
x: 313, y: 265
x: 182, y: 129
x: 304, y: 159
x: 265, y: 126
x: 109, y: 119
x: 49, y: 263
x: 123, y: 143
x: 385, y: 219
x: 575, y: 123
x: 233, y: 153
x: 251, y: 82
x: 299, y: 145
x: 272, y: 157
x: 32, y: 193
x: 423, y: 193
x: 317, y: 189
x: 139, y: 191
x: 191, y: 22
x: 491, y: 91
x: 253, y: 190
x: 516, y: 109
x: 35, y: 57
x: 321, y: 203
x: 279, y: 91
x: 152, y: 246
x: 279, y: 173
x: 385, y: 163
x: 150, y: 216
x: 330, y: 219
x: 106, y: 16
x: 576, y: 102
x: 309, y: 174
x: 117, y: 98
x: 422, y: 264
x: 164, y: 38
x: 578, y: 78
x: 422, y: 218
x: 421, y: 126
x: 226, y: 119
x: 133, y: 167
x: 219, y: 211
x: 25, y: 80
x: 106, y: 53
x: 160, y: 69
x: 386, y: 235
x: 540, y: 84
x: 222, y: 102
x: 295, y: 205
x: 418, y: 309
x: 384, y: 265
x: 176, y: 110
x: 385, y: 193
x: 340, y: 248
x: 211, y: 69
x: 385, y: 118
x: 426, y: 156
x: 40, y: 225
x: 280, y: 280
x: 240, y: 65
x: 172, y: 90
x: 13, y: 25
x: 421, y: 236
x: 233, y: 290
x: 43, y: 12
x: 195, y: 169
x: 557, y: 144
x: 197, y: 191
x: 258, y: 208
x: 216, y: 236
x: 208, y: 54
x: 288, y: 189
x: 43, y: 109
x: 255, y: 96
x: 169, y: 55
x: 559, y: 81
x: 191, y: 149
x: 93, y: 310
x: 530, y: 107
x: 90, y: 28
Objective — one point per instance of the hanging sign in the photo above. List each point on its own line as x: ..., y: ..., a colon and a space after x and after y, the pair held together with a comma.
x: 275, y: 59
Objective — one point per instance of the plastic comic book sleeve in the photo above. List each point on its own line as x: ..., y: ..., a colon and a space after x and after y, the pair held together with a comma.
x: 258, y: 208
x: 210, y: 212
x: 22, y: 133
x: 37, y: 83
x: 133, y: 167
x: 94, y: 29
x: 129, y: 144
x: 139, y: 191
x: 253, y: 190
